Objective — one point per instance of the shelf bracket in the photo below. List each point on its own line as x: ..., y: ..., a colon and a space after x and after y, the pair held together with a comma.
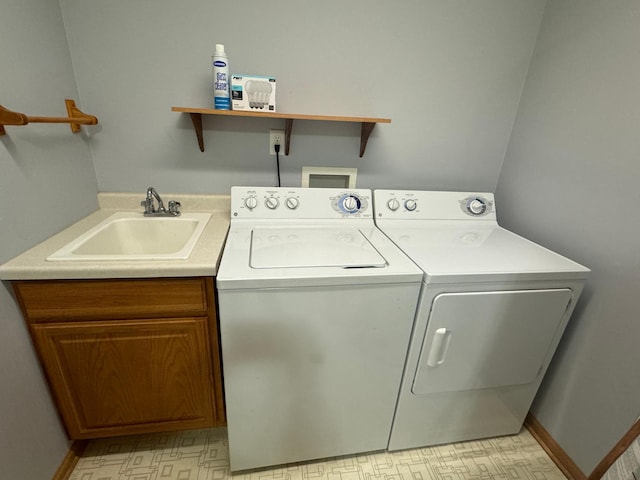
x: 365, y: 133
x: 288, y: 126
x: 75, y: 119
x: 196, y: 119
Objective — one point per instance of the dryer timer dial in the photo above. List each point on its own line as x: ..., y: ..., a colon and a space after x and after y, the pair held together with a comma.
x: 476, y: 206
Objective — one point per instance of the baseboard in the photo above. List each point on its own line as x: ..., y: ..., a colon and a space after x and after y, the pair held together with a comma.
x: 623, y: 445
x: 555, y: 451
x: 70, y: 460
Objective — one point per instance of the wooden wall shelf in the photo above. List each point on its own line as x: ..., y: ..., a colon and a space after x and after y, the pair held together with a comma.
x: 368, y: 123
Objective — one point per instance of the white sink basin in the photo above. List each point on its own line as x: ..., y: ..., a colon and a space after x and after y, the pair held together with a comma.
x: 131, y: 236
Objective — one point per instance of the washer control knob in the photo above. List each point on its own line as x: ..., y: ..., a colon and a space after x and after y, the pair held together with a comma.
x: 292, y: 203
x: 393, y: 204
x: 272, y: 203
x: 251, y: 202
x: 351, y: 204
x: 410, y: 205
x: 476, y: 206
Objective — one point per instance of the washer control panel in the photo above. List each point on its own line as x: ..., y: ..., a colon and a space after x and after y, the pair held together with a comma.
x: 433, y: 205
x: 311, y: 203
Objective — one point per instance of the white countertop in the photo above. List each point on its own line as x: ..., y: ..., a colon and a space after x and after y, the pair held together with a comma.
x: 203, y: 261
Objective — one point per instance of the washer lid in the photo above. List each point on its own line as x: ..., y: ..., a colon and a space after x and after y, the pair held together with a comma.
x: 287, y: 247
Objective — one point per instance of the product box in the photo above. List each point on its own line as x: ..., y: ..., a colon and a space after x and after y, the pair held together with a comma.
x: 253, y: 93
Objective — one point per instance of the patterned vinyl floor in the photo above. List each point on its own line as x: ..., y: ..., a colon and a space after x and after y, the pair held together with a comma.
x: 203, y: 455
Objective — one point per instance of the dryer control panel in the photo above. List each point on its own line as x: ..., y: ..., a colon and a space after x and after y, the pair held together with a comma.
x: 300, y: 203
x: 433, y: 205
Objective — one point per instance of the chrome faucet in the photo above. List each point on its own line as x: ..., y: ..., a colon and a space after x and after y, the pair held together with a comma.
x: 151, y: 211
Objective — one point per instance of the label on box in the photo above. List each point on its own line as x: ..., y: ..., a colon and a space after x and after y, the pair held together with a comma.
x: 253, y: 93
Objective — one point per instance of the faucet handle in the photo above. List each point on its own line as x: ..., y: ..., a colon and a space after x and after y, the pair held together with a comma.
x: 148, y: 205
x: 174, y: 207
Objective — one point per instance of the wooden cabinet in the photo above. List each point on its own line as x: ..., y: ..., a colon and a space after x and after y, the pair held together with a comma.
x: 127, y: 356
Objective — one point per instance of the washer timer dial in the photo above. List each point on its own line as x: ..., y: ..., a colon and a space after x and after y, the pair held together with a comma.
x: 349, y: 203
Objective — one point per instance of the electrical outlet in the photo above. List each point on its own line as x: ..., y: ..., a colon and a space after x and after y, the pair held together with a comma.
x: 276, y: 137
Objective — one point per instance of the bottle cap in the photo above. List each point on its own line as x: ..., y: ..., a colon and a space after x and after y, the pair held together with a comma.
x: 219, y: 48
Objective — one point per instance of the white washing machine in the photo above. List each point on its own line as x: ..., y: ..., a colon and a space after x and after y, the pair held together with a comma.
x: 492, y: 309
x: 316, y: 310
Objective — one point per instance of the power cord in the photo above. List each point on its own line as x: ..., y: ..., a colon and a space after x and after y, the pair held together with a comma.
x: 276, y: 147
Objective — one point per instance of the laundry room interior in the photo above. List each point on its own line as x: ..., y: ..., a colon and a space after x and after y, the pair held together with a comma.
x: 532, y: 101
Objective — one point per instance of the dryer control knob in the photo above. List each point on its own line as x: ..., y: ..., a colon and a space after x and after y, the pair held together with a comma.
x: 272, y: 203
x: 251, y: 202
x: 393, y: 204
x: 410, y: 205
x: 292, y: 203
x: 476, y: 206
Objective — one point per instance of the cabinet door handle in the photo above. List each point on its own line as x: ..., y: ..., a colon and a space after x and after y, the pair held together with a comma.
x: 439, y: 347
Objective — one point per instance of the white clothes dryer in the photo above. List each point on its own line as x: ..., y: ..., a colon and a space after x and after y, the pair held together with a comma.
x: 492, y: 309
x: 316, y: 310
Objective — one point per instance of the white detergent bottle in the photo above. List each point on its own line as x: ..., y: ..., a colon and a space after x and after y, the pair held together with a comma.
x: 220, y: 61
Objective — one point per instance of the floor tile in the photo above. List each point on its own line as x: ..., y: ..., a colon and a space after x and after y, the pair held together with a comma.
x: 203, y: 455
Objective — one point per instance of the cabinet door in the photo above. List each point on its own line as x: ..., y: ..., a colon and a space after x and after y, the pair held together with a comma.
x: 129, y: 376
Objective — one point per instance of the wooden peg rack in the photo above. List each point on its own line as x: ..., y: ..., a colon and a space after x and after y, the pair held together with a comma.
x: 75, y: 118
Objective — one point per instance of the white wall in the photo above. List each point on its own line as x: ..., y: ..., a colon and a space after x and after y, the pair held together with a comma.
x: 447, y: 72
x: 47, y: 182
x: 570, y: 181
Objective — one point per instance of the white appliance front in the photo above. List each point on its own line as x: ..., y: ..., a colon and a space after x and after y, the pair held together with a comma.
x: 316, y: 310
x: 492, y: 309
x: 312, y: 372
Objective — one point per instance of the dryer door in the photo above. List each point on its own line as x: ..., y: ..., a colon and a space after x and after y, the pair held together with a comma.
x: 488, y: 339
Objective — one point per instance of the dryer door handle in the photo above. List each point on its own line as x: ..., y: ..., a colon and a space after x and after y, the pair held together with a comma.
x: 439, y: 347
